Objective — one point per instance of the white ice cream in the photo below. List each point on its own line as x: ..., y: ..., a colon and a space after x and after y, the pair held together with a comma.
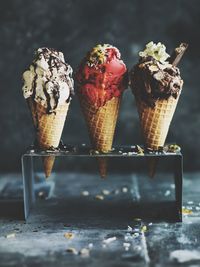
x: 49, y: 79
x: 157, y: 51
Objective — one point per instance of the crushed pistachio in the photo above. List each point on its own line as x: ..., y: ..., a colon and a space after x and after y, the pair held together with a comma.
x: 11, y: 235
x: 139, y: 150
x: 173, y: 148
x: 69, y: 235
x: 98, y: 54
x: 99, y: 197
x: 144, y: 228
x: 186, y: 211
x: 85, y: 193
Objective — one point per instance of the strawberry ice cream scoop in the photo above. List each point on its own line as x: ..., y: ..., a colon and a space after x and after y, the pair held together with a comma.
x: 102, y: 75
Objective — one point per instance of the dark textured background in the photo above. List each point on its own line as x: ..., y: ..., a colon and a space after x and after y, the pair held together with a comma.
x: 74, y: 26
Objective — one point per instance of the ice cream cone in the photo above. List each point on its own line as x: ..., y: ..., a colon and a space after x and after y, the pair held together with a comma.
x: 49, y: 129
x: 155, y: 124
x: 155, y: 121
x: 157, y: 85
x: 48, y: 88
x: 101, y: 122
x: 102, y: 78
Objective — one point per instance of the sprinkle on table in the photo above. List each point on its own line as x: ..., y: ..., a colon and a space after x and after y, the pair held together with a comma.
x: 186, y: 211
x: 69, y: 235
x: 99, y: 197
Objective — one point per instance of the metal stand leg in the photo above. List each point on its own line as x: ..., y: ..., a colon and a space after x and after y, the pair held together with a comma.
x: 178, y: 179
x: 28, y: 184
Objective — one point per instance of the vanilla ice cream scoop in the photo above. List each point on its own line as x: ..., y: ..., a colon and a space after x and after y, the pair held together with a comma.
x: 48, y: 81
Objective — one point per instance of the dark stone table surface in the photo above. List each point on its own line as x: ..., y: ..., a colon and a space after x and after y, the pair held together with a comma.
x: 136, y: 212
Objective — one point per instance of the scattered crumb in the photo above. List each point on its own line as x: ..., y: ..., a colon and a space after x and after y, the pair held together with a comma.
x: 126, y: 246
x: 139, y: 150
x: 167, y: 193
x: 116, y: 192
x: 85, y: 193
x: 69, y: 235
x: 109, y: 240
x: 190, y: 202
x: 182, y: 256
x: 172, y: 186
x: 135, y: 234
x: 138, y: 248
x: 99, y: 197
x: 197, y: 208
x: 186, y: 211
x: 129, y: 229
x: 41, y: 195
x: 144, y: 228
x: 90, y: 245
x: 94, y: 152
x: 124, y: 189
x: 11, y: 235
x: 85, y: 252
x: 150, y: 224
x: 105, y: 192
x: 72, y: 250
x: 127, y: 237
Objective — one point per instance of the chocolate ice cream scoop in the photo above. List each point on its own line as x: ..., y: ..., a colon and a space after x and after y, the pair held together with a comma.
x: 154, y: 78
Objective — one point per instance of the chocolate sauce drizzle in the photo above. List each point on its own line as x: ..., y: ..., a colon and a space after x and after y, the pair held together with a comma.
x: 151, y: 81
x: 54, y: 61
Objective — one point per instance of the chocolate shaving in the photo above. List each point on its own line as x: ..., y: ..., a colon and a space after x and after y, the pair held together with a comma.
x: 177, y: 54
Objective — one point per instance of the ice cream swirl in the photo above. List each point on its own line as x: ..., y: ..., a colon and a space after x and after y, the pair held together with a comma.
x: 48, y: 81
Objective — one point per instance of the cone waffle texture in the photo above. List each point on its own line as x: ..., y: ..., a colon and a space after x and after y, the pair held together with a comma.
x: 101, y: 124
x: 49, y: 128
x: 155, y: 121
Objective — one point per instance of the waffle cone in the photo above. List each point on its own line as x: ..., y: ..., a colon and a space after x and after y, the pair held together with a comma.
x: 101, y: 124
x: 155, y: 124
x: 155, y: 121
x: 49, y: 129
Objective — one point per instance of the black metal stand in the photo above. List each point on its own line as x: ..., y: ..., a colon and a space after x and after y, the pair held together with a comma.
x: 123, y: 152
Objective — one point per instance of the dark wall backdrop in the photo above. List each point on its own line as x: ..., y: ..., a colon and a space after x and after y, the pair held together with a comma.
x: 74, y: 26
